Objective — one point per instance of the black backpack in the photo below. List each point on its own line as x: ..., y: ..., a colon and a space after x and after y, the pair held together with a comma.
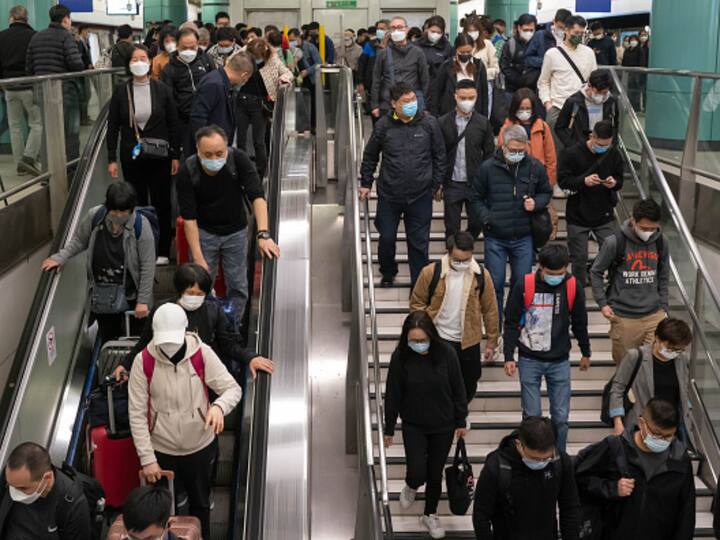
x: 505, y: 480
x: 94, y: 494
x: 437, y: 271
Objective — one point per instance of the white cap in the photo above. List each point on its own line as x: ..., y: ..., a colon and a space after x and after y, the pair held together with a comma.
x: 169, y: 324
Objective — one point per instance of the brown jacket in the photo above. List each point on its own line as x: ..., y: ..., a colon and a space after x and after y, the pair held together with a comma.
x: 542, y: 146
x: 476, y: 311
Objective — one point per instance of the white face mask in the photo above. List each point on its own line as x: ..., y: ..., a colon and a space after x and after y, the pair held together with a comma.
x: 23, y: 498
x: 191, y: 302
x: 599, y: 99
x: 188, y: 55
x: 467, y: 106
x: 524, y: 115
x: 633, y: 44
x: 643, y: 39
x: 559, y: 34
x: 398, y: 35
x: 139, y: 69
x: 434, y: 37
x: 170, y: 349
x: 643, y: 235
x: 668, y: 354
x: 527, y: 35
x: 170, y: 47
x: 474, y: 35
x: 460, y: 266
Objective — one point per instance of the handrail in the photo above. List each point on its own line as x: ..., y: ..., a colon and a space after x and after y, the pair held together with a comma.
x: 34, y: 79
x: 665, y: 71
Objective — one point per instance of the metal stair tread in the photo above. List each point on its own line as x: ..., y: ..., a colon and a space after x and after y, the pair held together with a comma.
x: 439, y: 236
x: 510, y: 420
x: 393, y: 332
x: 599, y: 359
x: 511, y: 388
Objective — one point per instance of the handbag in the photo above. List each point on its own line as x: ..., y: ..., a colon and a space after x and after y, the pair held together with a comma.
x: 109, y: 298
x: 146, y: 147
x: 627, y: 404
x: 541, y: 225
x: 460, y: 481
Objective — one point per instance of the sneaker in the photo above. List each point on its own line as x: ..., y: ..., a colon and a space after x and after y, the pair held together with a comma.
x: 162, y: 261
x: 432, y: 524
x: 407, y: 497
x: 558, y: 193
x: 29, y: 166
x: 212, y: 500
x: 20, y: 171
x: 387, y: 281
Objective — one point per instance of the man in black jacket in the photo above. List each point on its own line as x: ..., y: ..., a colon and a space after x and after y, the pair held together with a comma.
x: 603, y: 45
x: 540, y: 312
x: 20, y: 100
x: 412, y: 170
x: 54, y: 50
x: 468, y: 142
x: 505, y: 191
x: 643, y: 478
x: 40, y: 502
x: 585, y: 108
x: 592, y: 172
x: 512, y: 57
x: 522, y: 483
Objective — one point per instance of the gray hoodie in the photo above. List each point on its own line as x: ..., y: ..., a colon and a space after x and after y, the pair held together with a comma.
x: 639, y: 286
x: 409, y: 66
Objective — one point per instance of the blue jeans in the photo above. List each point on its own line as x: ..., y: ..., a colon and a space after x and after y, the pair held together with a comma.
x: 418, y: 217
x: 232, y: 248
x: 497, y: 252
x: 557, y: 378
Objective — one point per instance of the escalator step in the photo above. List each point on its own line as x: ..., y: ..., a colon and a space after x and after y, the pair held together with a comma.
x: 219, y: 515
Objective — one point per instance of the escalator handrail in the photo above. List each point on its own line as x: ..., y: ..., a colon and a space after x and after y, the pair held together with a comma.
x: 253, y: 512
x: 72, y: 75
x: 66, y: 228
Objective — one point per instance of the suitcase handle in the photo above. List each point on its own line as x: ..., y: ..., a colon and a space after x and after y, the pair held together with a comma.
x: 170, y: 476
x: 128, y: 314
x: 111, y: 384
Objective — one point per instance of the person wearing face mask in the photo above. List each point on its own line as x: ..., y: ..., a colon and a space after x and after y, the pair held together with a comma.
x: 435, y: 45
x: 541, y: 311
x: 212, y: 186
x: 503, y: 200
x: 591, y: 104
x: 206, y: 318
x: 308, y: 60
x: 542, y: 41
x: 635, y: 56
x: 123, y: 48
x: 186, y: 68
x: 173, y: 422
x: 643, y: 478
x: 224, y: 47
x: 120, y: 261
x: 461, y: 67
x: 512, y: 56
x: 349, y: 54
x: 603, y: 45
x: 459, y: 296
x: 144, y: 108
x: 146, y: 515
x: 409, y: 177
x: 366, y: 62
x: 167, y: 45
x: 521, y: 486
x: 39, y: 501
x: 481, y: 29
x: 468, y: 142
x: 314, y: 33
x: 400, y: 62
x: 662, y: 371
x: 425, y: 389
x: 565, y: 70
x: 633, y: 305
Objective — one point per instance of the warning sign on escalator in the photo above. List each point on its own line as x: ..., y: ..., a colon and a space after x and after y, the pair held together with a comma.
x: 51, y: 345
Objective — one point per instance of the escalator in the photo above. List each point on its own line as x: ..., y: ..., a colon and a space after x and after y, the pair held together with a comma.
x: 53, y: 370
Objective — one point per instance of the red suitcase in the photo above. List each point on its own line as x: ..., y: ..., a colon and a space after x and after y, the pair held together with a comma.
x: 114, y: 460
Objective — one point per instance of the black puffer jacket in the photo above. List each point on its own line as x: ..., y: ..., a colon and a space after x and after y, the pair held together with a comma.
x: 443, y: 84
x: 498, y: 190
x: 53, y: 50
x: 413, y: 157
x: 435, y: 53
x: 184, y: 79
x: 14, y: 44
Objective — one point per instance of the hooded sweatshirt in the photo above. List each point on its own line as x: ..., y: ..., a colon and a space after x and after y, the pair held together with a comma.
x: 527, y: 510
x: 169, y: 415
x: 639, y: 286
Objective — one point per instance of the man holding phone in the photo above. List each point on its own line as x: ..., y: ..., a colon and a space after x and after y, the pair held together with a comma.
x: 592, y: 171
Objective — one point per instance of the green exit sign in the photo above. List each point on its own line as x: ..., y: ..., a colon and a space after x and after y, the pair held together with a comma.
x: 340, y: 4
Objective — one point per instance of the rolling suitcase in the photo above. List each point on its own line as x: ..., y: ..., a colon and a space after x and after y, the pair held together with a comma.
x: 114, y: 459
x: 113, y: 352
x: 183, y: 527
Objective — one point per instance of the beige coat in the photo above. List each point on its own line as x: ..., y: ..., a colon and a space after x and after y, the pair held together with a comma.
x: 273, y: 73
x: 175, y: 422
x: 489, y: 58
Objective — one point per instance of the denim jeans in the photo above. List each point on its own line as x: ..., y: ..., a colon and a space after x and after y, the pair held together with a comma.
x: 497, y: 253
x: 19, y: 104
x: 232, y: 248
x: 557, y: 379
x: 418, y: 217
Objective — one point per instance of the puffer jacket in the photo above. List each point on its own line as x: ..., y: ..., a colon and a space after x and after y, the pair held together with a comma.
x: 139, y: 253
x: 542, y: 145
x: 168, y: 416
x: 53, y: 50
x: 477, y: 310
x: 184, y: 79
x: 413, y: 157
x: 435, y: 53
x: 498, y: 191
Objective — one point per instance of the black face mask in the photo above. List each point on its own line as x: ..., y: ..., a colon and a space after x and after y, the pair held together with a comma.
x: 464, y: 58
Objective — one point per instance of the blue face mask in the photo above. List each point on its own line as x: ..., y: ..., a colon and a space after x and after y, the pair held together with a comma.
x: 225, y: 50
x: 656, y: 445
x: 410, y: 109
x: 380, y: 34
x: 420, y: 347
x: 536, y: 465
x: 600, y: 149
x: 514, y: 157
x: 293, y: 44
x: 213, y: 165
x: 553, y: 281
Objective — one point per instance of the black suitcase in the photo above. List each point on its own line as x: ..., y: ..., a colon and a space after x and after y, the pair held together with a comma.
x: 113, y: 352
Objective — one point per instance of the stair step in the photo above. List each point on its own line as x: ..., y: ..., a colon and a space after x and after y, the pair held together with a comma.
x: 393, y: 332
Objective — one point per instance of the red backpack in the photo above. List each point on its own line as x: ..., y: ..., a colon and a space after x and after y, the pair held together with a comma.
x: 529, y: 295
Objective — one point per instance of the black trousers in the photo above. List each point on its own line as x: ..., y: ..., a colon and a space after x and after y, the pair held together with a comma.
x: 455, y: 196
x: 249, y: 112
x: 426, y: 455
x: 153, y: 183
x: 112, y: 326
x: 470, y: 365
x: 194, y: 471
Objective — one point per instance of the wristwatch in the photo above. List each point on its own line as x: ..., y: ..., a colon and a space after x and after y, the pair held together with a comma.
x: 263, y: 235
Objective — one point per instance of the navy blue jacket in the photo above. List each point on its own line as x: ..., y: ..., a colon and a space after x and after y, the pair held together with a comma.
x: 542, y: 41
x: 213, y: 104
x: 497, y: 193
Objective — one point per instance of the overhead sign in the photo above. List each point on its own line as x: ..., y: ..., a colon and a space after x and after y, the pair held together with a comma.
x: 595, y: 6
x: 122, y: 7
x: 79, y: 6
x: 340, y: 4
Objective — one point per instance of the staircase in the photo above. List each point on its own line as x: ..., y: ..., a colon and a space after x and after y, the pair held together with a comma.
x: 496, y: 409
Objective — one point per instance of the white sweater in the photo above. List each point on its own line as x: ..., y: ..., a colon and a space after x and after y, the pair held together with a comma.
x: 489, y: 57
x: 558, y: 80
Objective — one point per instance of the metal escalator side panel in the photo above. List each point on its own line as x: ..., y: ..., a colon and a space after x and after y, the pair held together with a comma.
x: 53, y: 335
